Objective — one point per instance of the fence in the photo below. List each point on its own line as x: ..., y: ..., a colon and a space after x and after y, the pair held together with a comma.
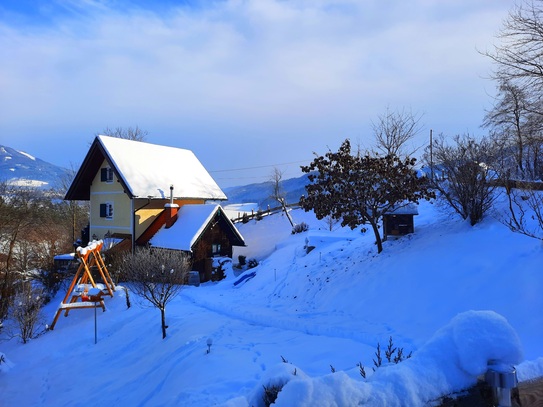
x: 518, y: 184
x: 245, y: 217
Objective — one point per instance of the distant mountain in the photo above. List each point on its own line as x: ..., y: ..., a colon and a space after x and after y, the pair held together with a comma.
x: 22, y: 169
x: 260, y: 193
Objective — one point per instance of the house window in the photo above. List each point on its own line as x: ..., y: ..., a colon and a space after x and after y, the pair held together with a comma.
x: 215, y: 249
x: 106, y: 174
x: 106, y: 210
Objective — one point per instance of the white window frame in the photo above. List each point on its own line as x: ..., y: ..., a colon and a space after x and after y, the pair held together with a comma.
x: 109, y: 175
x: 108, y: 210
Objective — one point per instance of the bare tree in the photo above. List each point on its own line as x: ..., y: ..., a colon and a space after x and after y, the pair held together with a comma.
x: 33, y: 229
x: 516, y: 129
x: 394, y: 129
x: 79, y: 210
x: 128, y: 133
x: 330, y: 222
x: 518, y: 115
x: 16, y: 218
x: 519, y: 57
x: 26, y: 312
x: 279, y: 194
x: 507, y: 120
x: 524, y: 212
x: 466, y: 182
x: 157, y: 276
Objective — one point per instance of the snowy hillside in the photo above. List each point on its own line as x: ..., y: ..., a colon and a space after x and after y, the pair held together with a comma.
x: 23, y: 169
x: 454, y: 295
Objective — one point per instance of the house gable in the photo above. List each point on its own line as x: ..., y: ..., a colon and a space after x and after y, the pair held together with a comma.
x: 145, y: 171
x: 95, y: 159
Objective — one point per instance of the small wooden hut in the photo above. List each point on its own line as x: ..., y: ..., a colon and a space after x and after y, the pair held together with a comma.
x: 204, y: 231
x: 399, y: 220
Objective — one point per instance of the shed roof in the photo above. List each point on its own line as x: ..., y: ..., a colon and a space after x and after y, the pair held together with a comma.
x: 146, y: 170
x: 407, y: 208
x: 192, y: 220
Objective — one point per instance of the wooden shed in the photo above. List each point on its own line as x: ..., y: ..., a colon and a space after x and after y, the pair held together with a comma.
x: 399, y: 220
x: 204, y: 231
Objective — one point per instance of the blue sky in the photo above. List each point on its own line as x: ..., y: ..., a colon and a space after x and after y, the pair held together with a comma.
x: 246, y: 84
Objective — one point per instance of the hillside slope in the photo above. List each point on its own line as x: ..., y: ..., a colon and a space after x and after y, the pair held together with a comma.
x: 322, y: 309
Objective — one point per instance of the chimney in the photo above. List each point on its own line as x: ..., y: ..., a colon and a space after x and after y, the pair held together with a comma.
x: 171, y: 210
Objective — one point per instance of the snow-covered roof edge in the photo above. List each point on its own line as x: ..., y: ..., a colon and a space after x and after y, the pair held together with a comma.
x: 192, y: 220
x: 405, y: 208
x: 203, y: 226
x: 148, y: 170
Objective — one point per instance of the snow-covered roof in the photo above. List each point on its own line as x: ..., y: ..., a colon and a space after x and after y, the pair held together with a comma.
x: 404, y: 209
x: 66, y: 256
x: 190, y: 224
x: 148, y: 170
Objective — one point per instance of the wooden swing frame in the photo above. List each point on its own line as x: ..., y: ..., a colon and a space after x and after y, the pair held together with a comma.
x: 89, y: 257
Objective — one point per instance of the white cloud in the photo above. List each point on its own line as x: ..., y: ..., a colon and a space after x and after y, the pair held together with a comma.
x: 308, y: 68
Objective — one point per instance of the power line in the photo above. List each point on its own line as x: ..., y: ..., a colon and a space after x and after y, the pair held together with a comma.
x: 262, y: 177
x: 260, y: 166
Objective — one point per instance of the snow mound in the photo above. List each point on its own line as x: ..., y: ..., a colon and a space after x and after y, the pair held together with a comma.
x: 449, y: 362
x: 530, y: 369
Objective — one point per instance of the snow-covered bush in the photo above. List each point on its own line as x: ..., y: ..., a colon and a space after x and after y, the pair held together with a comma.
x: 114, y: 260
x: 270, y: 394
x: 393, y: 354
x: 26, y: 312
x: 273, y: 382
x: 300, y: 227
x: 221, y: 267
x: 51, y: 282
x: 252, y: 263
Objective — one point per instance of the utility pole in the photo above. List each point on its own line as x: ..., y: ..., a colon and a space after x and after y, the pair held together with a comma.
x: 431, y: 157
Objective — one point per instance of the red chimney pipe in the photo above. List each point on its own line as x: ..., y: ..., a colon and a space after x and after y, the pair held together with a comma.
x: 171, y: 210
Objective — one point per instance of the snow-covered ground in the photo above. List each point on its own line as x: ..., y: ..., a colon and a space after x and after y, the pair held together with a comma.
x: 456, y: 296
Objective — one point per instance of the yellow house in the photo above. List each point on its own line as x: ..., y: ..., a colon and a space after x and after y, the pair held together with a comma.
x: 129, y: 183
